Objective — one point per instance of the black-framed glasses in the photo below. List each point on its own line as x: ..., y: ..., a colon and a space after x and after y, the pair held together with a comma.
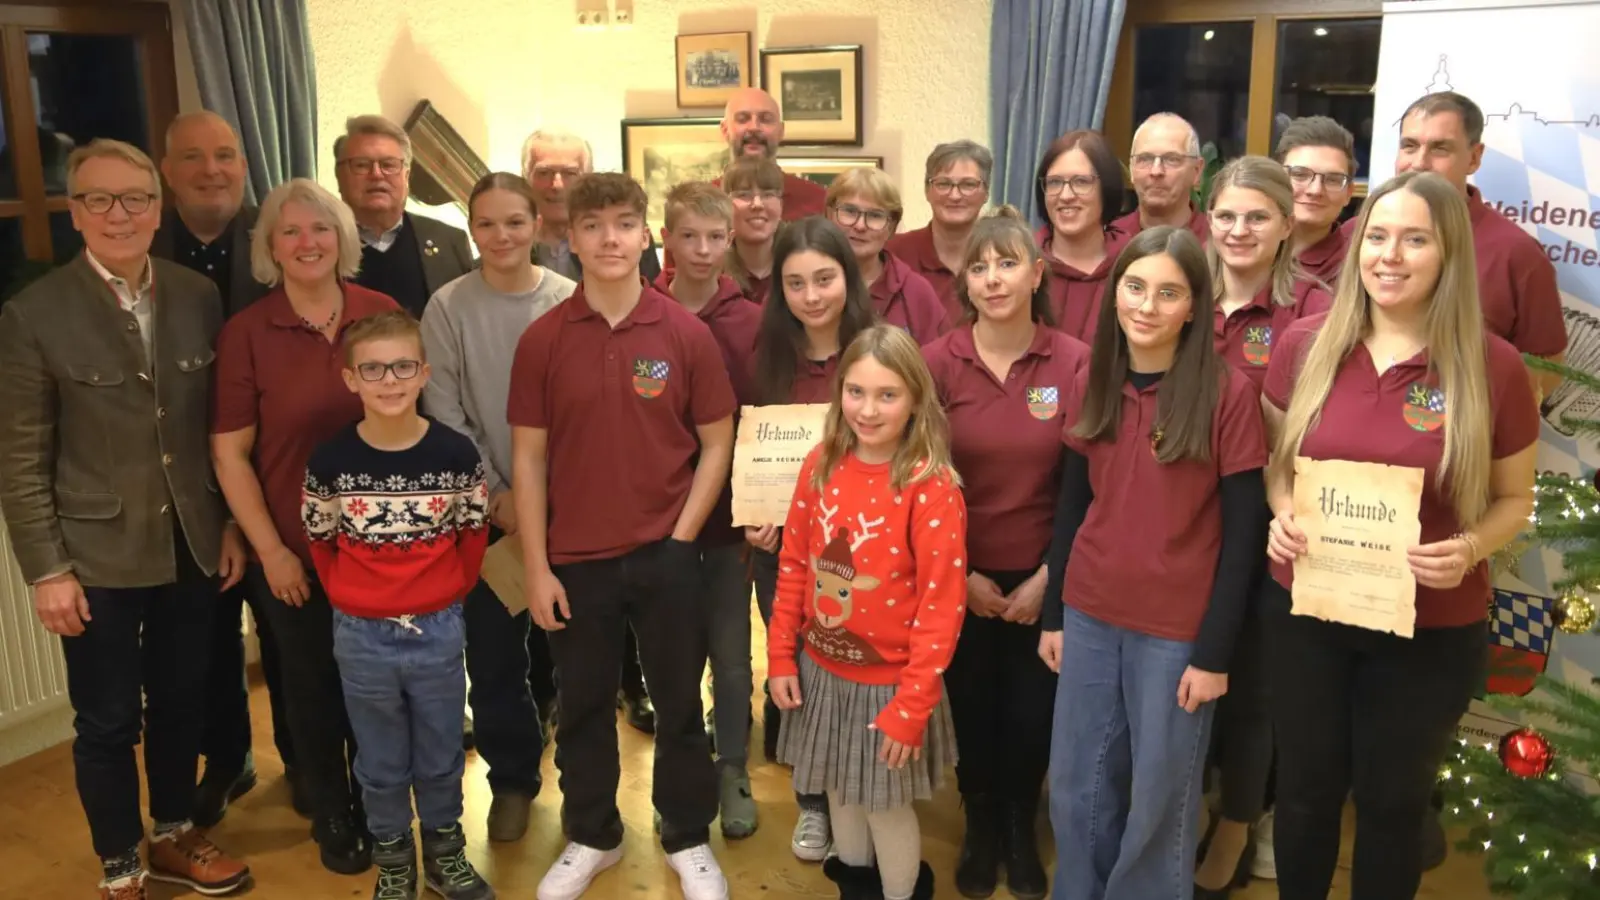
x: 1080, y: 185
x: 1167, y: 160
x: 403, y: 369
x: 100, y: 202
x: 388, y: 165
x: 1301, y: 176
x: 960, y: 187
x: 849, y: 214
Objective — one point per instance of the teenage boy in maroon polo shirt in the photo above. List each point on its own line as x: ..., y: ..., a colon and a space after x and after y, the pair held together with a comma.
x: 622, y: 436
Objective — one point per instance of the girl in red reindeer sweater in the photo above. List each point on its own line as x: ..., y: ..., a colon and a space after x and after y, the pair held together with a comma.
x: 872, y: 581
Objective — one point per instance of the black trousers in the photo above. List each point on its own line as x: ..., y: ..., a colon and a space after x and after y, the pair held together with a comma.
x: 1242, y: 742
x: 324, y: 747
x: 505, y: 722
x: 140, y: 664
x: 657, y: 590
x: 1002, y: 699
x: 1366, y: 713
x: 227, y: 739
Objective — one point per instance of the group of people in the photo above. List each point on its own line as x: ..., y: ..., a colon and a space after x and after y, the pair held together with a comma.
x: 1021, y: 549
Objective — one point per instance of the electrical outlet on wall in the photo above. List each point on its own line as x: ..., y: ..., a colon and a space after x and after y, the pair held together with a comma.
x: 622, y: 12
x: 592, y: 13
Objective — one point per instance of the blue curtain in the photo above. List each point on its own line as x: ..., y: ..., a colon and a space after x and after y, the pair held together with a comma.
x: 1049, y: 72
x: 253, y: 61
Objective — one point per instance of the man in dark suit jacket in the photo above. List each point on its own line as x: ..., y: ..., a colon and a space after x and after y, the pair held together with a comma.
x: 114, y: 514
x: 551, y: 160
x: 207, y: 230
x: 406, y: 256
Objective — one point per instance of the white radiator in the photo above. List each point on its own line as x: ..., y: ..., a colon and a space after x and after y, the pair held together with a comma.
x: 34, y: 712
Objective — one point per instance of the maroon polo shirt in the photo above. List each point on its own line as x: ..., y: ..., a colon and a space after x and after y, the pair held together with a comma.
x: 1245, y: 338
x: 733, y: 321
x: 621, y: 406
x: 760, y: 288
x: 286, y: 380
x: 1005, y: 437
x: 1199, y: 224
x: 1146, y: 554
x: 1325, y: 258
x: 1398, y: 418
x: 1075, y: 296
x: 902, y: 297
x: 915, y: 249
x: 802, y: 197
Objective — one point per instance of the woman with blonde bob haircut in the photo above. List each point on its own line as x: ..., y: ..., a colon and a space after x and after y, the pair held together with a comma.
x: 1400, y: 372
x: 320, y: 205
x: 865, y: 205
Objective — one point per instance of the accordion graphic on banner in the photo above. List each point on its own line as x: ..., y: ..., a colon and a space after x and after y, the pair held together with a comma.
x: 1521, y: 630
x: 1583, y: 353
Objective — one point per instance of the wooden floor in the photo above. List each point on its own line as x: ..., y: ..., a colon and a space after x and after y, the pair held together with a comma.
x: 45, y: 851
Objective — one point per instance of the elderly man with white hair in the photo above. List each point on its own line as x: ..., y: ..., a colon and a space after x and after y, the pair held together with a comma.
x: 551, y: 160
x: 1165, y: 164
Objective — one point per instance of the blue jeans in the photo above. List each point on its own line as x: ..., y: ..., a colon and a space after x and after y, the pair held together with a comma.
x: 405, y: 686
x: 1125, y: 766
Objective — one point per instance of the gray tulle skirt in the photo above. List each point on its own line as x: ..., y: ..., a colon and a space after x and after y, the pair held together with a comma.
x: 829, y: 744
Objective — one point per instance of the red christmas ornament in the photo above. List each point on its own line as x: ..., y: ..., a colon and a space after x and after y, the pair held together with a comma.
x: 1526, y: 753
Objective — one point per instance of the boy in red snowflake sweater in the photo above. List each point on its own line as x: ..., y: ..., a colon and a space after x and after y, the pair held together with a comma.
x: 394, y: 506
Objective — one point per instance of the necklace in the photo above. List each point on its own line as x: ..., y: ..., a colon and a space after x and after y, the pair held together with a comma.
x: 332, y: 317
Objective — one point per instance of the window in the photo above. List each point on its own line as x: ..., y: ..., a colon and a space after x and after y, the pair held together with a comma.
x: 1326, y: 67
x: 1200, y: 71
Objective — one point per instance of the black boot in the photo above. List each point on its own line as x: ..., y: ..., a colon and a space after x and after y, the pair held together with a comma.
x: 445, y: 867
x: 924, y: 888
x: 397, y: 869
x: 1024, y: 872
x: 771, y: 721
x: 978, y: 866
x: 218, y: 789
x: 342, y: 845
x: 855, y: 882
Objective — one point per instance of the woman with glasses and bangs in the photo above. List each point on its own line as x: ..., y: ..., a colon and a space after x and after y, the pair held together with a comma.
x: 865, y: 205
x: 280, y: 392
x: 1079, y: 192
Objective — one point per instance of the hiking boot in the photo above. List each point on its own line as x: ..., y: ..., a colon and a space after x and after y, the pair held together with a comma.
x: 397, y: 868
x: 445, y: 867
x: 739, y: 817
x: 187, y: 857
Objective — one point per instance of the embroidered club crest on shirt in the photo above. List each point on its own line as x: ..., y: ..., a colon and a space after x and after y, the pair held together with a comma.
x: 1043, y: 402
x: 1424, y: 409
x: 650, y: 377
x: 1258, y: 344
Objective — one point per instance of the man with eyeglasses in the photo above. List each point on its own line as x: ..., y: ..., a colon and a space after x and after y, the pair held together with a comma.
x: 110, y: 501
x: 404, y: 255
x: 1320, y: 157
x: 957, y: 187
x: 207, y: 230
x: 551, y: 160
x: 1166, y: 166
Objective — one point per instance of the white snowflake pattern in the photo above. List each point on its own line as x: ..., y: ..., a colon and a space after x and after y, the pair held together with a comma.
x: 345, y: 482
x: 363, y: 480
x: 395, y: 483
x: 428, y: 479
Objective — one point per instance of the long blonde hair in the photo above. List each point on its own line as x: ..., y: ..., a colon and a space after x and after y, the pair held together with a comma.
x: 924, y: 449
x: 1268, y: 178
x: 1455, y: 340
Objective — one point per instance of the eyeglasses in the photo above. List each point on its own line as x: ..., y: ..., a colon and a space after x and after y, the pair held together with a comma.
x: 100, y: 202
x: 961, y: 188
x: 1133, y: 294
x: 1167, y: 160
x: 1081, y: 185
x: 750, y: 196
x: 1226, y: 219
x: 549, y: 173
x: 849, y: 214
x: 1333, y: 181
x: 403, y: 369
x: 388, y: 165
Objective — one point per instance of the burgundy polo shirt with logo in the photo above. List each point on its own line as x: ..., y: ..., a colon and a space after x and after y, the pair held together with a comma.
x: 1005, y: 437
x: 621, y: 406
x: 1129, y: 225
x: 1325, y: 258
x: 902, y: 297
x: 1245, y: 339
x: 915, y: 249
x: 283, y: 378
x: 1075, y: 296
x: 1398, y: 418
x: 1145, y: 556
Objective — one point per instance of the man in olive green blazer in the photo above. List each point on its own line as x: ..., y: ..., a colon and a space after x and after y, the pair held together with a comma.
x: 114, y: 513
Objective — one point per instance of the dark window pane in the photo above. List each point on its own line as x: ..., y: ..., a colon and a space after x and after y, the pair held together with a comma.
x: 85, y: 86
x: 1199, y: 71
x: 13, y: 268
x: 65, y: 240
x: 1327, y: 68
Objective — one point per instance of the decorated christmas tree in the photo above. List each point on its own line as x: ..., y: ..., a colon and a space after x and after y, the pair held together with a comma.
x: 1525, y: 800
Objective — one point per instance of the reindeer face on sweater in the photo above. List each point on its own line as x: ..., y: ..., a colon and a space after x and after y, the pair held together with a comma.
x: 835, y: 571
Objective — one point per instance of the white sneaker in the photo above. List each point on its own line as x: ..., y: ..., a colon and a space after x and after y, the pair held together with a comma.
x: 569, y: 877
x: 699, y: 873
x: 1265, y: 865
x: 812, y: 835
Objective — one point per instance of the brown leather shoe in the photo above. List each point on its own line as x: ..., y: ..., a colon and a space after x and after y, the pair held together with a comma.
x: 130, y: 888
x: 189, y: 858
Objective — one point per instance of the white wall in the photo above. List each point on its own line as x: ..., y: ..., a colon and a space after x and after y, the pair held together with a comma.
x: 497, y: 69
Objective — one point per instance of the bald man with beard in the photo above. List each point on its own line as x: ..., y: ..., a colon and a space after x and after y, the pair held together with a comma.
x: 752, y: 125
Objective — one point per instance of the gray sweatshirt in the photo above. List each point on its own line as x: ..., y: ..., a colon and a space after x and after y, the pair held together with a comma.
x: 470, y: 332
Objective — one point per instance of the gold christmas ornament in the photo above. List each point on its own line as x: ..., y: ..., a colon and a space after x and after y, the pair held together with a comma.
x: 1574, y: 612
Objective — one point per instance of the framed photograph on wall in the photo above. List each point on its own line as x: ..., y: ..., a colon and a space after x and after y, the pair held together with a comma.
x: 443, y: 168
x: 712, y: 66
x: 823, y: 169
x: 819, y: 91
x: 663, y: 153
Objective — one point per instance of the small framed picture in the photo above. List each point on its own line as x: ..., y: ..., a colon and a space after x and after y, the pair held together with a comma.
x: 823, y: 169
x: 663, y: 153
x: 712, y: 66
x: 819, y: 92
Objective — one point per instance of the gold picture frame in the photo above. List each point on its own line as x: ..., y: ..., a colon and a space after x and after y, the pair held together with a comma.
x: 712, y: 66
x: 444, y: 169
x: 663, y: 153
x: 819, y: 92
x: 824, y: 169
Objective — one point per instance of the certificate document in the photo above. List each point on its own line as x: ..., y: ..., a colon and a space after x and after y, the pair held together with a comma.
x: 767, y: 454
x: 1359, y: 519
x: 502, y: 571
